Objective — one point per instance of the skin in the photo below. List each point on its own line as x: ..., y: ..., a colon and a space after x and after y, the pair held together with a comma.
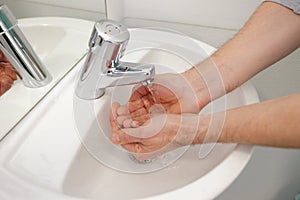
x: 259, y: 44
x: 8, y: 74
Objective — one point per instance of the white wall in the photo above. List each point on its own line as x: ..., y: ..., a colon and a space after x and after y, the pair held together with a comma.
x: 229, y: 14
x: 87, y: 9
x: 212, y: 21
x: 90, y: 5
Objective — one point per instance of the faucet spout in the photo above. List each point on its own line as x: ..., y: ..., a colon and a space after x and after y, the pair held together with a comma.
x: 19, y: 52
x: 103, y: 68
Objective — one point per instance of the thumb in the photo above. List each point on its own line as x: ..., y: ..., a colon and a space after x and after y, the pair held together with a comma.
x: 112, y: 117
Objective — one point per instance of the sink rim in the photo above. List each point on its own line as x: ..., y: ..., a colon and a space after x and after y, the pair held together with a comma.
x: 242, y: 154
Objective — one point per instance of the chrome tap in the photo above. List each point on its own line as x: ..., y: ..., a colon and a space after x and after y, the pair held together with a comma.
x: 103, y: 68
x: 19, y: 52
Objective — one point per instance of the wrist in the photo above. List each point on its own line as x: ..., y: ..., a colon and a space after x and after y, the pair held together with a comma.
x: 203, y: 126
x: 212, y: 130
x: 198, y: 87
x: 206, y: 81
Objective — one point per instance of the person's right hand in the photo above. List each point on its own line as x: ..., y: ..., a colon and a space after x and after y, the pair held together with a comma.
x: 172, y: 92
x: 8, y: 74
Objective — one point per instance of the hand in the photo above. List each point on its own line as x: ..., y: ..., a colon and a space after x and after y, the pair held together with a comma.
x: 160, y: 134
x: 8, y: 74
x: 172, y: 91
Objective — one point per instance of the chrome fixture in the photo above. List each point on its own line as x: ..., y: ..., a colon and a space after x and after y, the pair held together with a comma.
x: 103, y: 67
x: 19, y: 52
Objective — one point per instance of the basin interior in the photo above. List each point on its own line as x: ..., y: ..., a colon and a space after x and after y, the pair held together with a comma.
x: 47, y: 151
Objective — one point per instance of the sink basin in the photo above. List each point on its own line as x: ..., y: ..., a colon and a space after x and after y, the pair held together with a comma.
x: 51, y: 154
x: 60, y: 43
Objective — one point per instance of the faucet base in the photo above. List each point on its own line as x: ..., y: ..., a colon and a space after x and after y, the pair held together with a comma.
x: 89, y: 95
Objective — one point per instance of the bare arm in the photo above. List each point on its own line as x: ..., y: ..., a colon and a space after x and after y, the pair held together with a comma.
x: 271, y: 123
x: 271, y: 33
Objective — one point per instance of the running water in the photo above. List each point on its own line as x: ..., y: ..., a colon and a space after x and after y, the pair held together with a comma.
x: 148, y: 85
x: 150, y: 89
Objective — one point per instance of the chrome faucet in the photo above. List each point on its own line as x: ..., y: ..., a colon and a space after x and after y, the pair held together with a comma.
x: 19, y: 52
x: 103, y: 68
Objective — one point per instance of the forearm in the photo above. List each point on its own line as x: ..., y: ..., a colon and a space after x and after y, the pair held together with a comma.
x: 270, y: 123
x: 269, y: 35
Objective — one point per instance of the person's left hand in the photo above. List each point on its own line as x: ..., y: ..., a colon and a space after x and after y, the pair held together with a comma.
x: 162, y: 133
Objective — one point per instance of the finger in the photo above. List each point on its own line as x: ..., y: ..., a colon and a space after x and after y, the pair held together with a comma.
x: 134, y: 124
x: 120, y: 119
x: 113, y: 116
x: 135, y: 105
x: 138, y: 92
x: 148, y: 101
x: 120, y: 137
x: 129, y: 147
x: 114, y: 108
x: 127, y: 123
x: 139, y: 117
x: 140, y: 120
x: 157, y: 109
x: 138, y: 113
x: 135, y: 148
x: 122, y: 110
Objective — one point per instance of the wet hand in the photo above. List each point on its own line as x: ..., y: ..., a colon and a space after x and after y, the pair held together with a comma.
x: 171, y: 91
x: 8, y: 74
x: 158, y: 135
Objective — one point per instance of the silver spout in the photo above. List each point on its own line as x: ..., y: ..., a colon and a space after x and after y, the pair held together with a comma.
x: 19, y: 52
x: 103, y: 67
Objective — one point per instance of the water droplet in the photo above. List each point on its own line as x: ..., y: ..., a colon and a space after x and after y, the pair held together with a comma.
x: 152, y: 92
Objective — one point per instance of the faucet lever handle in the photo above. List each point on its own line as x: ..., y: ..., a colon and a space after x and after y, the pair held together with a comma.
x: 130, y: 73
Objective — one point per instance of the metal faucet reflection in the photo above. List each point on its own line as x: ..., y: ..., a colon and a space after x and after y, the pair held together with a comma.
x: 103, y: 68
x: 19, y: 52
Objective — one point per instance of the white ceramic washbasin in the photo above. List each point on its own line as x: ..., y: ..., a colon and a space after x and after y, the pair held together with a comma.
x: 52, y: 155
x: 60, y: 43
